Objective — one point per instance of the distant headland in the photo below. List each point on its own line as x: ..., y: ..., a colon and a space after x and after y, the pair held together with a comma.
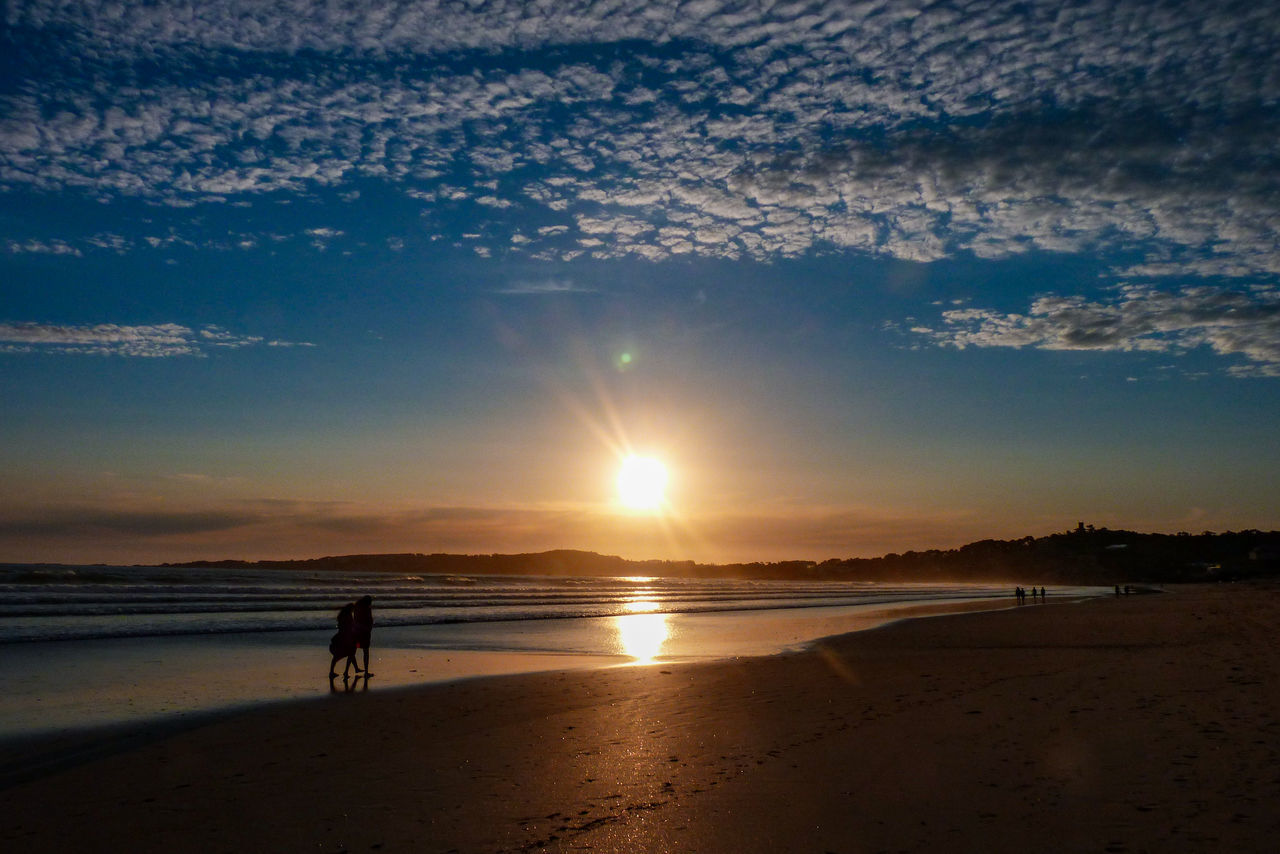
x: 1084, y: 555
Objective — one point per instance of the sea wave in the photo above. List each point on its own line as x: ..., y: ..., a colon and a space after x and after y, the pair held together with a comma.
x: 62, y: 603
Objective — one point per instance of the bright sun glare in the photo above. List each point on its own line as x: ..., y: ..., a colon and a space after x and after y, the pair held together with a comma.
x: 641, y: 483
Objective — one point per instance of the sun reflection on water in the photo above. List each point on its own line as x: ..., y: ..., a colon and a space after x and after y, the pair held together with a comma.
x: 642, y: 635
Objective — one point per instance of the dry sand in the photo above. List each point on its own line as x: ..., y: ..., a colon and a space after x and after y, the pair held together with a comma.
x: 1146, y: 723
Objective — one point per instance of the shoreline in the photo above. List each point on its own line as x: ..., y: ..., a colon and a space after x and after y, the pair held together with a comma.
x: 1133, y: 724
x: 71, y: 686
x: 30, y: 757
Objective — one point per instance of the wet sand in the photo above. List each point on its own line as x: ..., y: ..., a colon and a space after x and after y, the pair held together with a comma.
x: 57, y: 687
x: 1146, y: 723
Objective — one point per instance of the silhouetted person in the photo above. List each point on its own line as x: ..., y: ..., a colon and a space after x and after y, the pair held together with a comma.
x: 1041, y: 595
x: 364, y: 628
x: 1117, y: 591
x: 343, y: 644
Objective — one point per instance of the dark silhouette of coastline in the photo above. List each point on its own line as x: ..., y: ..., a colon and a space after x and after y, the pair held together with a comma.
x: 1084, y: 555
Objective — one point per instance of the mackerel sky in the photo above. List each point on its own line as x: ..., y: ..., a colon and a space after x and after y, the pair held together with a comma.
x: 300, y: 278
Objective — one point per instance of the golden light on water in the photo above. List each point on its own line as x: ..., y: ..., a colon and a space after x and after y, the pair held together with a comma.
x: 642, y: 635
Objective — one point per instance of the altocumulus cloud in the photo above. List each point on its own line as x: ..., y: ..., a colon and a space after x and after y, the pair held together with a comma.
x: 544, y: 288
x: 111, y: 339
x: 1242, y: 323
x: 660, y: 129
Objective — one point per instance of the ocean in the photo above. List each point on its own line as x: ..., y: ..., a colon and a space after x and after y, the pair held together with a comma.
x: 45, y: 603
x: 95, y: 645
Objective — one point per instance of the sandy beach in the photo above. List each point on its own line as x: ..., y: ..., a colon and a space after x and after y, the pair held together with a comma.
x: 1145, y: 723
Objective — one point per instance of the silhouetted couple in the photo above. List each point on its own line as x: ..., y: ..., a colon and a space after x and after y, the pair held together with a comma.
x: 1021, y: 595
x: 355, y: 631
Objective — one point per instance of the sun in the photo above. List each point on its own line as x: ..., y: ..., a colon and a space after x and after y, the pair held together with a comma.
x: 642, y: 482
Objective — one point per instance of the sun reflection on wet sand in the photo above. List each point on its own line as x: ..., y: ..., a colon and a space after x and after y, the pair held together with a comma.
x: 641, y: 635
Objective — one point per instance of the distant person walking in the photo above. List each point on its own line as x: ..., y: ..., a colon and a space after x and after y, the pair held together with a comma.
x: 343, y: 644
x: 364, y: 628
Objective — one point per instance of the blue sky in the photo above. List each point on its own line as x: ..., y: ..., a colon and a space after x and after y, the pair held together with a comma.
x: 309, y: 278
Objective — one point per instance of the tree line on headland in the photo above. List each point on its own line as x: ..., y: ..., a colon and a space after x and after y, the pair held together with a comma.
x: 1084, y: 555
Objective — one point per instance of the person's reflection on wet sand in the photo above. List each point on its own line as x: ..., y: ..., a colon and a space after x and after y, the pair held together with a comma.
x: 350, y: 685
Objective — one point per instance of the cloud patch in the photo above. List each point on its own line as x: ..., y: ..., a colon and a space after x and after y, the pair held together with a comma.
x: 724, y: 129
x: 99, y: 522
x: 659, y: 130
x: 111, y: 339
x: 1239, y: 323
x: 41, y: 247
x: 126, y: 531
x: 545, y: 287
